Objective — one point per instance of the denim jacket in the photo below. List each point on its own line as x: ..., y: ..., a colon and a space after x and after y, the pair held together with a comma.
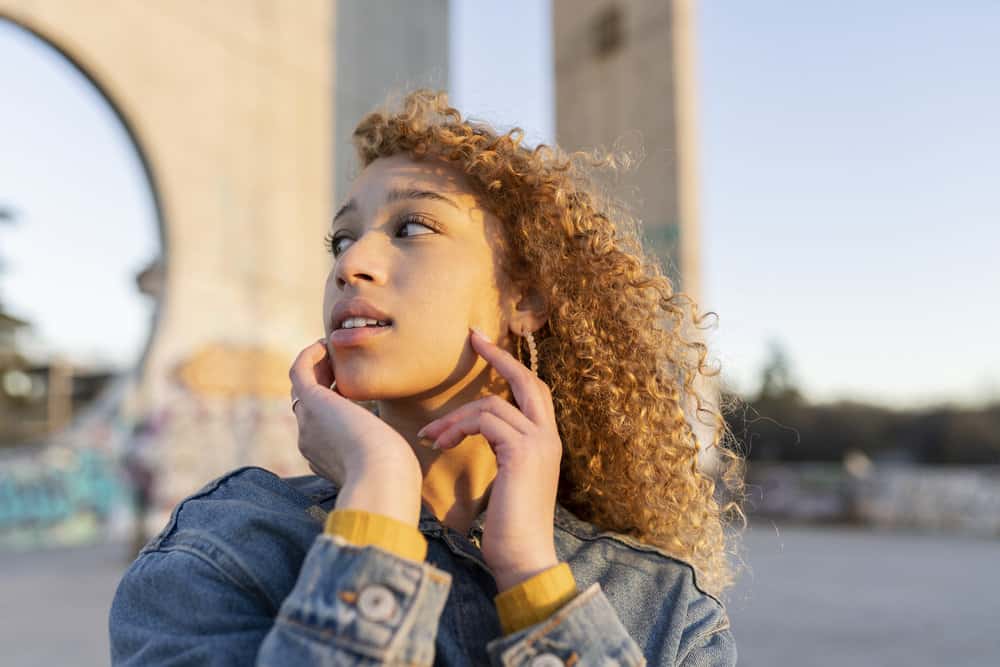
x: 243, y: 574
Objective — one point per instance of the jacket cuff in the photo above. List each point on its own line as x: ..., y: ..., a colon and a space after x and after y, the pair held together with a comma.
x: 535, y: 599
x: 354, y: 605
x: 585, y: 631
x: 362, y: 528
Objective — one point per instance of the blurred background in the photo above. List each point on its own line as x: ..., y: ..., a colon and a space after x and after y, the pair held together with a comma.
x: 822, y: 176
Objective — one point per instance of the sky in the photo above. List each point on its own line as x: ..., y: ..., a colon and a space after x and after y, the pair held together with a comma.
x: 850, y: 155
x: 848, y: 184
x: 847, y: 161
x: 85, y: 222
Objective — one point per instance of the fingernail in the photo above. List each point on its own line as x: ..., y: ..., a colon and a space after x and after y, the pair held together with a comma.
x: 420, y: 433
x: 481, y: 334
x: 436, y: 445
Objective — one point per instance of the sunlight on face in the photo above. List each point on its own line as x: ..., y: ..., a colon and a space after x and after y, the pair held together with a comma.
x: 414, y: 239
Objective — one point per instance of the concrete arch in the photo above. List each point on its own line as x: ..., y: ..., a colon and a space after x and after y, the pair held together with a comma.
x: 137, y: 146
x: 231, y: 113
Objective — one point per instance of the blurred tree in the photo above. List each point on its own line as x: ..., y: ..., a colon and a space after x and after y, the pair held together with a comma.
x: 777, y: 382
x: 768, y: 426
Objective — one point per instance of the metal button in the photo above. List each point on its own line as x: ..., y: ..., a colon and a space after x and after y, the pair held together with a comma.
x: 377, y: 603
x: 546, y: 660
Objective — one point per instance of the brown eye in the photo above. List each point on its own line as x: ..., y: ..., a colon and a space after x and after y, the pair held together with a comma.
x: 333, y: 241
x: 415, y: 220
x: 330, y: 242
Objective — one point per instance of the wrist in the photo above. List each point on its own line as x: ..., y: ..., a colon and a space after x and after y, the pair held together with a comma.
x: 510, y: 577
x: 385, y: 493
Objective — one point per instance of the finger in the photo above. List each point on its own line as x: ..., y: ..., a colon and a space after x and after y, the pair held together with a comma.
x: 493, y: 404
x: 324, y: 367
x: 303, y: 370
x: 525, y: 385
x: 496, y: 431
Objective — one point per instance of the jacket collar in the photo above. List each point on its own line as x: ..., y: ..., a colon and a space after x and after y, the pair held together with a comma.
x: 323, y: 492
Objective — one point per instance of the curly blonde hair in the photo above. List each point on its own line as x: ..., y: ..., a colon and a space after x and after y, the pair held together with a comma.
x: 613, y: 350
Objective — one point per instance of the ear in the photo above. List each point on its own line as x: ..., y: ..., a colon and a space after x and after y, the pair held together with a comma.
x: 529, y: 311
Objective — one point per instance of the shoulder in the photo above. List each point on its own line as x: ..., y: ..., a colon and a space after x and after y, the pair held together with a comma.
x: 249, y: 494
x: 649, y: 559
x: 248, y: 525
x: 653, y: 590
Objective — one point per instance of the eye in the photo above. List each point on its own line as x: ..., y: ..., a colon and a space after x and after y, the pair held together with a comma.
x: 333, y: 241
x: 415, y: 220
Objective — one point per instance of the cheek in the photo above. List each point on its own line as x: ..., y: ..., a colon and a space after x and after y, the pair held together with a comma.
x: 454, y: 298
x: 329, y: 298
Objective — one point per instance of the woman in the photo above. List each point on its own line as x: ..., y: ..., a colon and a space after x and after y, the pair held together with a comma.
x: 530, y: 496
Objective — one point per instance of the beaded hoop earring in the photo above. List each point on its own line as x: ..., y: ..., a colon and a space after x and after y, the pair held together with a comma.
x: 532, y: 349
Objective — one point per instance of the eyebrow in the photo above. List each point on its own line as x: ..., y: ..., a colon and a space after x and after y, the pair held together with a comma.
x: 398, y: 195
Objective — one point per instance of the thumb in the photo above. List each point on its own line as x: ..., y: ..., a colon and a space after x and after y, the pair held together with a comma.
x: 322, y: 362
x: 311, y: 367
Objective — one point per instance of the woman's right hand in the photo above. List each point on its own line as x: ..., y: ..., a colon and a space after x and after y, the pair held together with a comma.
x: 343, y: 441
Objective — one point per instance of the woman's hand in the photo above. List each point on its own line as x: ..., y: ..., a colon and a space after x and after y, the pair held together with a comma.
x: 518, y: 539
x: 346, y: 443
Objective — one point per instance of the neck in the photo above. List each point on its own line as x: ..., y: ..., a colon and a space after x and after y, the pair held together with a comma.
x: 457, y: 481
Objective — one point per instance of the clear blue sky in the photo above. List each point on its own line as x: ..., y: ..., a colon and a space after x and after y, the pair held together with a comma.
x: 85, y: 223
x: 848, y: 158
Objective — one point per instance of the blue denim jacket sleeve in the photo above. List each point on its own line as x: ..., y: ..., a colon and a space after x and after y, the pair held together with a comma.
x: 358, y: 606
x: 354, y: 606
x: 168, y: 610
x: 587, y: 631
x: 241, y: 577
x: 350, y: 606
x: 707, y: 640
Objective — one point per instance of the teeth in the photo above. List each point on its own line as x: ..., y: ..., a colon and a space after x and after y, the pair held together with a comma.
x: 355, y: 322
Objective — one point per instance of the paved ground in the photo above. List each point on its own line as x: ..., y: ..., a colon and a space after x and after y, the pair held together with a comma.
x: 840, y: 596
x: 54, y: 605
x: 814, y: 597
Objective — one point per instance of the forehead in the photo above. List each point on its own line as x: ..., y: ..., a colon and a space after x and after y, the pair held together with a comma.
x: 400, y: 172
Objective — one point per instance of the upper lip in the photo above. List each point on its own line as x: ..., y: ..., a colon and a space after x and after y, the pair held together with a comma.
x: 355, y: 307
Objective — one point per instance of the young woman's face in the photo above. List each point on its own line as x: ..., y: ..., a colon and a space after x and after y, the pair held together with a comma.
x: 413, y: 239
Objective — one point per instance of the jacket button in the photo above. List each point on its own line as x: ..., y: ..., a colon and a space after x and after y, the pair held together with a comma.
x: 546, y: 660
x: 377, y: 603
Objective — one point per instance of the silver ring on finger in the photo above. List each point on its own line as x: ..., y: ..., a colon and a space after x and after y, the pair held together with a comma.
x: 294, y: 401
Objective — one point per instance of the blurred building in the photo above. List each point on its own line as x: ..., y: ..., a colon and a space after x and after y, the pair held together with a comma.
x: 241, y: 115
x: 624, y: 74
x: 416, y: 34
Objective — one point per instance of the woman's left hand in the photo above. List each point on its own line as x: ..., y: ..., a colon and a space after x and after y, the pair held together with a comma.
x: 518, y: 540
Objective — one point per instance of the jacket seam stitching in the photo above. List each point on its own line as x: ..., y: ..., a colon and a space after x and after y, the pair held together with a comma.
x: 721, y: 627
x: 210, y: 487
x: 192, y: 551
x: 606, y: 535
x: 317, y: 498
x: 338, y: 640
x: 195, y: 551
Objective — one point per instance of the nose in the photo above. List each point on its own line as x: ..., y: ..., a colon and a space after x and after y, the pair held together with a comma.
x: 361, y: 261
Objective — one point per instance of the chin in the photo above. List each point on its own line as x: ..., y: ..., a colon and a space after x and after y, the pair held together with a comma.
x: 357, y: 392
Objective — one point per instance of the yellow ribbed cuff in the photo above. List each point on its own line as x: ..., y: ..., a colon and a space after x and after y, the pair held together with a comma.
x: 363, y: 528
x: 535, y: 599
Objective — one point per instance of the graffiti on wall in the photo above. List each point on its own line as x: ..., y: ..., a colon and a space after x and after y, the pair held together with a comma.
x: 227, y: 406
x: 68, y: 490
x: 63, y: 497
x: 119, y: 473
